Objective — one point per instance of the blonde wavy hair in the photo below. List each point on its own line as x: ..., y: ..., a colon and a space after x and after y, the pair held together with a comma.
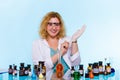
x: 42, y: 31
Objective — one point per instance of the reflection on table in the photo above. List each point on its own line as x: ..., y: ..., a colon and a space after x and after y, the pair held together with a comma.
x: 67, y: 76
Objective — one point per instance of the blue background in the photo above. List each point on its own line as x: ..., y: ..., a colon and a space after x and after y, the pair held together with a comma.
x: 20, y: 20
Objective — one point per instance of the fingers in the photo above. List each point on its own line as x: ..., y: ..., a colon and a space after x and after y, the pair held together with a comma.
x: 83, y: 28
x: 78, y: 33
x: 64, y: 47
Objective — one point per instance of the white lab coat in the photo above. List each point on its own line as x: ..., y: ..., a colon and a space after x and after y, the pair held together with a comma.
x: 41, y: 52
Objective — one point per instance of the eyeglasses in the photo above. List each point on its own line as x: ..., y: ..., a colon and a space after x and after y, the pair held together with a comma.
x: 54, y: 23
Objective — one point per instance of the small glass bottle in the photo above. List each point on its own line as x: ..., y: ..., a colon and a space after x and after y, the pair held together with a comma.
x: 34, y: 72
x: 81, y: 70
x: 35, y: 69
x: 38, y: 71
x: 10, y: 70
x: 105, y: 71
x: 26, y: 71
x: 91, y: 75
x: 40, y: 75
x: 21, y: 71
x: 95, y: 69
x: 76, y: 75
x: 72, y: 70
x: 108, y: 68
x: 100, y: 67
x: 15, y: 70
x: 87, y: 74
x: 89, y: 67
x: 29, y: 70
x: 43, y: 69
x: 22, y: 64
x: 29, y: 66
x: 40, y: 64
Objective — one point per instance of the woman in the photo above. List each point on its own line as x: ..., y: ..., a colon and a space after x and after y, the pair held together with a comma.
x: 54, y: 43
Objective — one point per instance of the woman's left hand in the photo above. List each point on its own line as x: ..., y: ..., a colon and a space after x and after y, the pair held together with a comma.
x: 78, y: 33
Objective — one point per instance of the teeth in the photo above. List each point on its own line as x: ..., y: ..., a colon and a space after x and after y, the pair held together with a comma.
x: 53, y: 31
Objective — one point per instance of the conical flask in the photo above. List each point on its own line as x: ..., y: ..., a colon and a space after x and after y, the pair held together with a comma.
x: 59, y: 67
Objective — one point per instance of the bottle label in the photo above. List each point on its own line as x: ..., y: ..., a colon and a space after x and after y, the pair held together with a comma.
x: 108, y: 69
x: 10, y: 70
x: 89, y: 68
x: 81, y: 71
x: 72, y: 71
x: 15, y: 72
x: 95, y: 70
x: 100, y: 69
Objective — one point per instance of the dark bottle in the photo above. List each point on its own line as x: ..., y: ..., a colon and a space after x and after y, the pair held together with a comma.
x: 21, y: 71
x: 112, y: 70
x: 10, y: 70
x: 101, y: 71
x: 81, y: 70
x: 105, y: 71
x: 29, y: 70
x: 38, y: 72
x: 26, y: 71
x: 40, y: 64
x: 15, y: 70
x: 72, y: 70
x: 29, y: 66
x: 87, y: 74
x: 95, y: 69
x: 22, y: 65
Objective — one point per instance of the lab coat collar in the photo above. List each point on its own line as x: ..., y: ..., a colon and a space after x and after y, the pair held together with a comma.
x: 59, y: 43
x: 45, y: 42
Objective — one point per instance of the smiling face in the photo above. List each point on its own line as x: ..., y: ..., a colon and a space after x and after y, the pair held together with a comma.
x: 53, y: 27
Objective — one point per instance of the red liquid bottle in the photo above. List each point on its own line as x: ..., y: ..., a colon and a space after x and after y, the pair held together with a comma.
x: 59, y: 70
x: 91, y: 75
x: 59, y: 67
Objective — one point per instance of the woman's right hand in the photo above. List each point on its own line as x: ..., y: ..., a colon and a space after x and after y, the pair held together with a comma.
x: 64, y: 48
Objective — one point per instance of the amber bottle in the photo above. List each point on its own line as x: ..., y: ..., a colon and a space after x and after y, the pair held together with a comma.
x: 43, y: 69
x: 89, y: 67
x: 108, y: 68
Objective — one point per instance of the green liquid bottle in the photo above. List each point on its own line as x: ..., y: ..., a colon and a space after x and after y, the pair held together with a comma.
x: 76, y: 75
